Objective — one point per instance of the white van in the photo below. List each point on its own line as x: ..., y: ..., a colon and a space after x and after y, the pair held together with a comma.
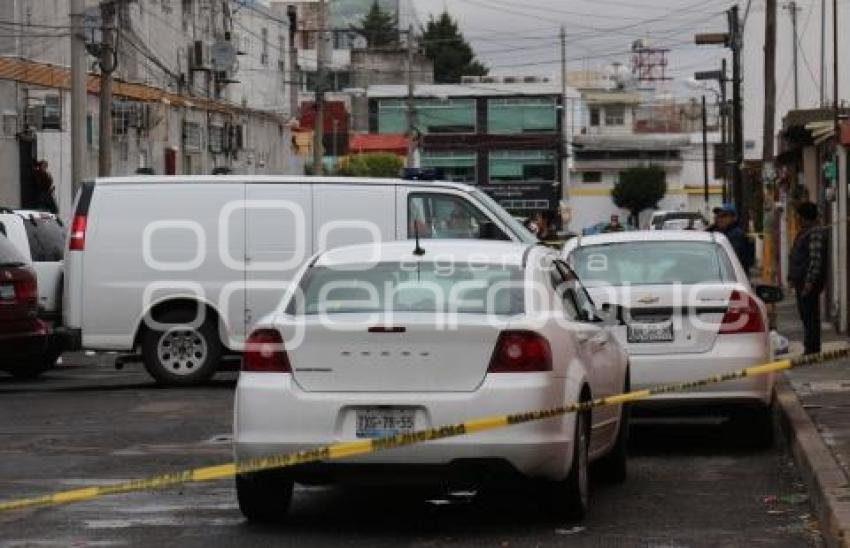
x: 179, y: 267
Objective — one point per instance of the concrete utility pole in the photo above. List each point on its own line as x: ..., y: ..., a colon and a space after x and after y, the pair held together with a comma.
x: 769, y: 270
x: 108, y: 64
x: 822, y: 53
x: 738, y: 191
x: 319, y: 125
x: 79, y: 94
x: 792, y: 11
x: 841, y: 166
x: 411, y: 107
x: 724, y: 130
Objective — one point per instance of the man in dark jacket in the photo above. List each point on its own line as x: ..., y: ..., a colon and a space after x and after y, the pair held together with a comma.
x: 807, y: 273
x: 726, y: 223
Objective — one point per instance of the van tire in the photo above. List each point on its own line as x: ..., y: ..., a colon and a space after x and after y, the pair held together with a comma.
x: 199, y: 349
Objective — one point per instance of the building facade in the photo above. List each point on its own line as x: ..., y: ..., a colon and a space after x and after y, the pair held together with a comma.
x: 198, y: 87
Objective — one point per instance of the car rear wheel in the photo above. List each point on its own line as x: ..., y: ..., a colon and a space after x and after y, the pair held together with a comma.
x: 182, y: 353
x: 264, y: 497
x: 569, y: 497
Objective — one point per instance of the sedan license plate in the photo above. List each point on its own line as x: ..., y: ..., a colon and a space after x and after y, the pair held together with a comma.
x: 7, y: 292
x: 650, y: 332
x: 379, y: 422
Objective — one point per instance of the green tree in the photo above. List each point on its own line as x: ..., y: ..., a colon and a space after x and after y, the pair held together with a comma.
x: 378, y: 27
x: 452, y: 55
x: 378, y: 164
x: 639, y: 188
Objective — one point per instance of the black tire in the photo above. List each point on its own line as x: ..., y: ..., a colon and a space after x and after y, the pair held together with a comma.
x: 568, y: 499
x: 754, y: 426
x: 198, y: 350
x: 613, y: 467
x: 33, y: 368
x: 264, y: 497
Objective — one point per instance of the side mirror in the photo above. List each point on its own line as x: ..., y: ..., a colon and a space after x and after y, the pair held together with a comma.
x: 769, y: 293
x: 613, y: 314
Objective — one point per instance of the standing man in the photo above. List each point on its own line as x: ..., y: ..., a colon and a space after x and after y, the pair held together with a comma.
x: 726, y: 222
x: 807, y: 273
x: 44, y: 187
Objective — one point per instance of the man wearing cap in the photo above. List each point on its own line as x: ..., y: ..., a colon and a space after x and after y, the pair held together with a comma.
x: 726, y: 223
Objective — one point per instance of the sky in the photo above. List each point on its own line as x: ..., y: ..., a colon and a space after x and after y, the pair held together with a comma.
x: 521, y: 37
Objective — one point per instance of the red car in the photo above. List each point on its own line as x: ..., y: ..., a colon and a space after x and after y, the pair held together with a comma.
x: 23, y: 337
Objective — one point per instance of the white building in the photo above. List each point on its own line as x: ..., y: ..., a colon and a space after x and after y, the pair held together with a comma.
x: 177, y: 107
x: 617, y: 130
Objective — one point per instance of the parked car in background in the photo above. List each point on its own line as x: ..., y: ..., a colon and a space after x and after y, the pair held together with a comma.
x: 677, y: 220
x: 422, y: 337
x: 39, y: 237
x: 193, y: 271
x: 23, y: 336
x: 692, y: 314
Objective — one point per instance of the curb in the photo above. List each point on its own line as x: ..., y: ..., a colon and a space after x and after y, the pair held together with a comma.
x: 826, y: 481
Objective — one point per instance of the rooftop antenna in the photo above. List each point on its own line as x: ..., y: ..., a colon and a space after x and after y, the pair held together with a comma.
x: 418, y: 251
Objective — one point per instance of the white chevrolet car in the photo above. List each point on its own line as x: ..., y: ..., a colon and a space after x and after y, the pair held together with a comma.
x: 692, y: 313
x: 378, y: 340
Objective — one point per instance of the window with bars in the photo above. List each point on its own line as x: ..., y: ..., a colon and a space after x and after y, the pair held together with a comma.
x: 191, y: 137
x: 615, y: 115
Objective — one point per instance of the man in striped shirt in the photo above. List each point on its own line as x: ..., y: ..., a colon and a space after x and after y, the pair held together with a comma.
x: 807, y: 273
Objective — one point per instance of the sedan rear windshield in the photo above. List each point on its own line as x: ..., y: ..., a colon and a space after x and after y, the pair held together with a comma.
x: 411, y: 287
x: 652, y: 263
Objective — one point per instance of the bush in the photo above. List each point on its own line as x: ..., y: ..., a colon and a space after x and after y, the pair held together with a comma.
x: 639, y: 188
x: 372, y: 165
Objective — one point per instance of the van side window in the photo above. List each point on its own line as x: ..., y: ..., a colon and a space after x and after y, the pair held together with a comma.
x: 444, y: 216
x: 46, y: 238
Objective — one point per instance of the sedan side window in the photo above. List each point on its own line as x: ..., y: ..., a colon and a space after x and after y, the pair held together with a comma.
x: 433, y: 215
x: 577, y: 293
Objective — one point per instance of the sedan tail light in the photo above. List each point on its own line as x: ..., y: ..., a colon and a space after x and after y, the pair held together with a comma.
x: 521, y: 352
x: 265, y: 353
x: 26, y: 290
x: 743, y: 315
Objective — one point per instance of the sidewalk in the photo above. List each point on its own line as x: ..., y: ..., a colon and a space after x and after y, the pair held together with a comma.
x: 814, y: 404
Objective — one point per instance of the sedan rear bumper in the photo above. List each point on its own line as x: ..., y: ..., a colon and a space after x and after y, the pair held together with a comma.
x: 729, y: 353
x: 274, y: 416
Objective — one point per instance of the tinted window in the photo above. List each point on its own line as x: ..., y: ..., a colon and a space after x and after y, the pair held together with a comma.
x: 411, y: 287
x: 651, y: 263
x: 46, y: 238
x: 9, y: 256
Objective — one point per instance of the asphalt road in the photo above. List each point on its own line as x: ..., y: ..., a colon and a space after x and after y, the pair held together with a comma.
x: 84, y: 423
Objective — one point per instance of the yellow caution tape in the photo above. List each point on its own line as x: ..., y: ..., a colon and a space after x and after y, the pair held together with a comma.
x: 346, y: 450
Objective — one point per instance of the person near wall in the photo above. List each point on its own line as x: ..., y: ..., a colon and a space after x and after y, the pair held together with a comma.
x: 44, y: 187
x: 807, y: 273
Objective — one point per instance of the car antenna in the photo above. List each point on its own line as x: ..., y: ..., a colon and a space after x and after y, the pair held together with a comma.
x: 418, y: 250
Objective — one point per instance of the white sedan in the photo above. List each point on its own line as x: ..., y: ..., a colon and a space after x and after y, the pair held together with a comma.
x: 378, y: 340
x: 692, y: 313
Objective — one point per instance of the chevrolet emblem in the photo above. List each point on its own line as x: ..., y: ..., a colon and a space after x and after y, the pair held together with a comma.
x: 649, y: 299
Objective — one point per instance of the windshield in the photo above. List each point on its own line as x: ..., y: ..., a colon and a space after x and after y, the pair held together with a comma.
x: 410, y: 287
x: 46, y: 238
x: 513, y: 225
x: 652, y: 263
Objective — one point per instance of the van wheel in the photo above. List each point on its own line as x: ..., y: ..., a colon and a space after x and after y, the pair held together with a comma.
x: 569, y: 498
x: 183, y: 354
x: 264, y: 497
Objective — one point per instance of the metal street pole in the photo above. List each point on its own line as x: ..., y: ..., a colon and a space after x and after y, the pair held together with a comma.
x: 319, y: 125
x: 771, y: 245
x: 841, y: 167
x: 724, y: 130
x: 563, y: 149
x: 738, y: 191
x: 411, y: 107
x: 705, y: 154
x: 79, y: 94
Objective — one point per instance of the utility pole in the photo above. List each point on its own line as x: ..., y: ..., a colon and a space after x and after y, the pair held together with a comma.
x: 737, y: 113
x: 724, y: 130
x: 563, y: 149
x: 705, y: 154
x: 319, y: 125
x: 108, y: 64
x: 769, y: 270
x: 79, y: 95
x: 841, y: 166
x: 822, y: 53
x: 792, y: 11
x: 411, y: 107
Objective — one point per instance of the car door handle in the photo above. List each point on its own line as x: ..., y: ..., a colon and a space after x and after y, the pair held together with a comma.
x: 601, y: 339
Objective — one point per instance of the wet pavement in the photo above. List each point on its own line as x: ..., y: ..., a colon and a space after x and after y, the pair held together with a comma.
x: 84, y: 424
